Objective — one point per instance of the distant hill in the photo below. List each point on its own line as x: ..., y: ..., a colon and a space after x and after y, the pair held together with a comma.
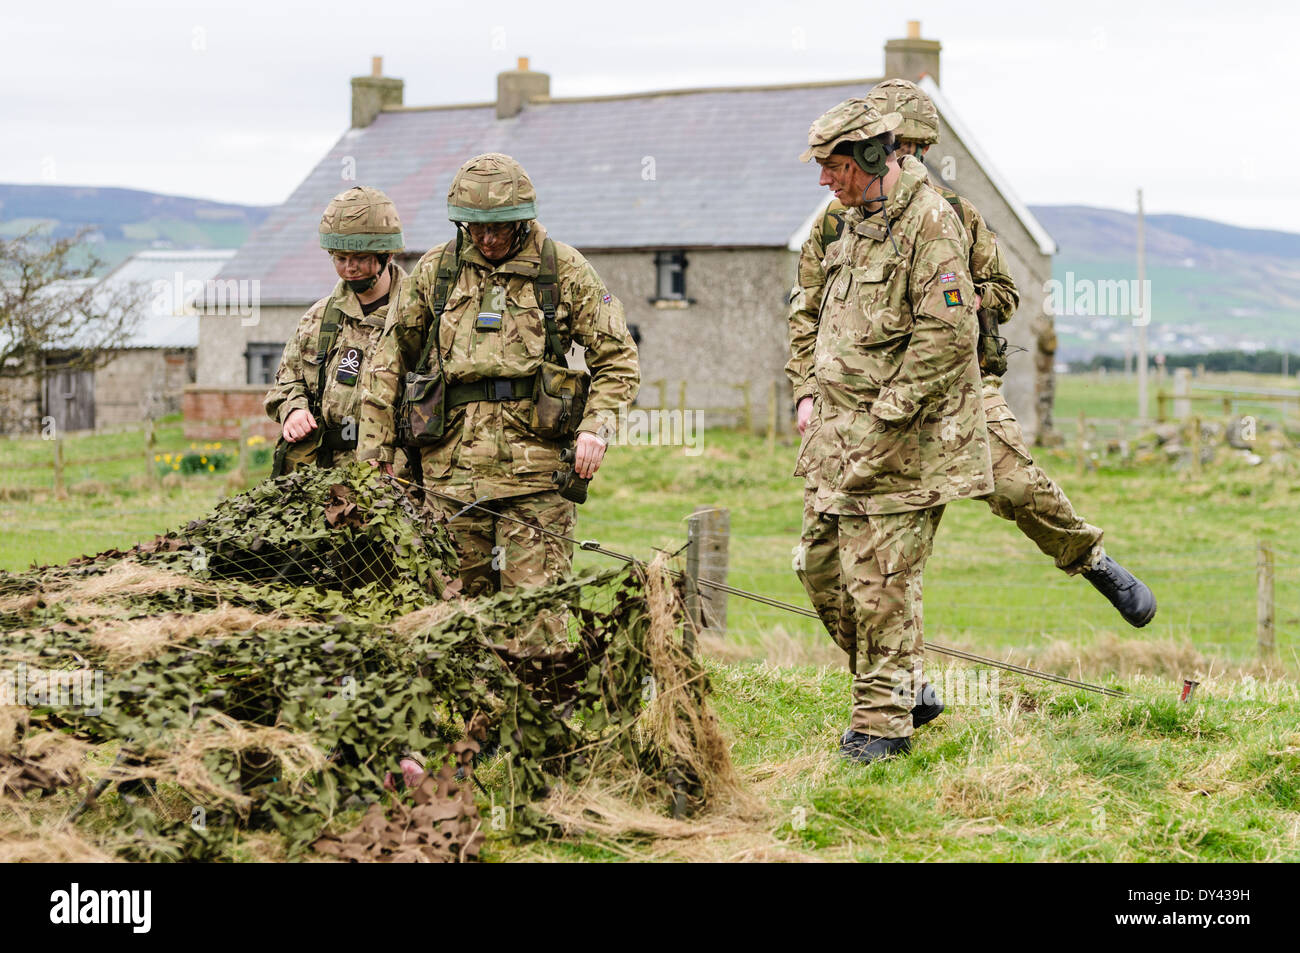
x: 1213, y: 286
x: 128, y: 220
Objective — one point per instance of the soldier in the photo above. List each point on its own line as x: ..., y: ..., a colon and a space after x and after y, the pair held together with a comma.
x: 476, y: 348
x: 317, y: 392
x: 891, y: 413
x: 1023, y: 493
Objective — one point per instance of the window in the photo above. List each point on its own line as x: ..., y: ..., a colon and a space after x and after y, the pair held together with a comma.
x: 670, y: 283
x: 263, y: 362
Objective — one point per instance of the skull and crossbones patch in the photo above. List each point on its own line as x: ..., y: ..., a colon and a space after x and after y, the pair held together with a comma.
x: 349, y: 366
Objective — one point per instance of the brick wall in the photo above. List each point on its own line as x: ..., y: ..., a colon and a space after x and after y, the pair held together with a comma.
x: 210, y: 412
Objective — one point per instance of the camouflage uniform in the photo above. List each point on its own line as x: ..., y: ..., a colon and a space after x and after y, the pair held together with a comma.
x: 489, y: 452
x: 1045, y: 375
x: 298, y: 377
x: 897, y: 428
x: 1023, y: 493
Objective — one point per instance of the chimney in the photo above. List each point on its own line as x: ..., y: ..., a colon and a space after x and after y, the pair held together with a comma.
x: 913, y: 57
x: 516, y: 87
x: 370, y: 94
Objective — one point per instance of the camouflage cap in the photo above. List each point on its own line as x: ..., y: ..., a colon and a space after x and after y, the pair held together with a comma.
x: 850, y: 121
x: 361, y: 219
x: 920, y: 120
x: 491, y: 188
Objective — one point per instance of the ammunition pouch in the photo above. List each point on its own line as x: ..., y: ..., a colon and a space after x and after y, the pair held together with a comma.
x: 423, y: 417
x: 992, y: 346
x: 559, y: 396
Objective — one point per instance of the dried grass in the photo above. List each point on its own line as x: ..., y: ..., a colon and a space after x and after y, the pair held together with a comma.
x: 126, y: 579
x: 133, y: 640
x: 23, y: 841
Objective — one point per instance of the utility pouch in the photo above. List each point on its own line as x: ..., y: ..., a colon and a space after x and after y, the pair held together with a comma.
x: 559, y: 401
x: 424, y: 401
x: 992, y: 346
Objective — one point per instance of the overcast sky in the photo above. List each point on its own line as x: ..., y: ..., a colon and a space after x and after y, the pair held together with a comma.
x: 1080, y: 104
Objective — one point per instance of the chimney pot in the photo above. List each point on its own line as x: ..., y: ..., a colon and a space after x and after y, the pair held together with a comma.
x: 523, y: 64
x: 376, y: 66
x: 913, y: 29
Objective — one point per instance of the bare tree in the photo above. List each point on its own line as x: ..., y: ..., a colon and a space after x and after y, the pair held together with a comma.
x: 52, y: 310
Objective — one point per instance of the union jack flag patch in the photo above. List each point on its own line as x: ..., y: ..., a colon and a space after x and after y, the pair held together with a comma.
x: 950, y: 276
x: 606, y: 299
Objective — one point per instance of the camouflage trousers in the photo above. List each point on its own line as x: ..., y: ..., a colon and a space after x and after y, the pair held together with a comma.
x: 1027, y: 496
x: 498, y: 554
x: 863, y: 575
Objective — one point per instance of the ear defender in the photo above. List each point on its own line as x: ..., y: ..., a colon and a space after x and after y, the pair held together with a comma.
x: 870, y: 155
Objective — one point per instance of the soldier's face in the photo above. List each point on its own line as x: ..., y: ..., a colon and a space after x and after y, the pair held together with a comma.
x: 493, y: 241
x: 355, y: 267
x: 846, y: 179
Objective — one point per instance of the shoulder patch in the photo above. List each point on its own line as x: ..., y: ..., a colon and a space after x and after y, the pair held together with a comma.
x: 952, y: 298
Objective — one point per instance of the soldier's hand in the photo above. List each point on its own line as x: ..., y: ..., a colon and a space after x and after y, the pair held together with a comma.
x: 385, y: 468
x: 298, y: 425
x: 979, y: 300
x: 804, y: 414
x: 589, y: 451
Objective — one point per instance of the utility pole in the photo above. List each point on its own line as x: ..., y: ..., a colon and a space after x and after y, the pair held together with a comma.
x: 1144, y: 315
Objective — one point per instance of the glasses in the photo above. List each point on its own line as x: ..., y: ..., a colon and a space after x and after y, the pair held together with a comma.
x: 498, y: 230
x: 344, y: 259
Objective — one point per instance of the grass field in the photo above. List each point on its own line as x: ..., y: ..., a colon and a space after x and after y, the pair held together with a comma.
x: 1046, y: 773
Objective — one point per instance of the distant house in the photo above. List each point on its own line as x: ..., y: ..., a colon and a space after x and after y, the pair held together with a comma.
x: 691, y: 204
x: 145, y: 378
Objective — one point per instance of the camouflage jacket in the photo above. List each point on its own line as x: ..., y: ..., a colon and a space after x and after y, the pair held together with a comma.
x: 489, y: 450
x: 988, y: 270
x: 298, y: 376
x: 898, y: 420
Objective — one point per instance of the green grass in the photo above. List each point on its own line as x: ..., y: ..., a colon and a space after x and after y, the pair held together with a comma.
x: 1048, y: 773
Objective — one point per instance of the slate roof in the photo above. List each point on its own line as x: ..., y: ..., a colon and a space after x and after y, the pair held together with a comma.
x: 725, y: 173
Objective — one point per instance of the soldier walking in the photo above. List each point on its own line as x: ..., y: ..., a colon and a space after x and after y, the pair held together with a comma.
x: 891, y: 412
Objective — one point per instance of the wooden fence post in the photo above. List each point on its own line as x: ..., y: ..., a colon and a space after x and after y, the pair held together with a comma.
x: 1264, y: 601
x: 749, y: 406
x: 243, y: 450
x: 706, y: 561
x: 681, y: 401
x: 694, y: 530
x: 150, y: 444
x: 1195, y: 442
x: 59, y: 490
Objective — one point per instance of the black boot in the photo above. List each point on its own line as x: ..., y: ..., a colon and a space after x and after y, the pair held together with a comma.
x: 928, y: 707
x: 1126, y: 592
x: 864, y: 749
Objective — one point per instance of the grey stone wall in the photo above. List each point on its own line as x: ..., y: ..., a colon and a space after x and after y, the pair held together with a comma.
x: 733, y: 328
x: 223, y: 339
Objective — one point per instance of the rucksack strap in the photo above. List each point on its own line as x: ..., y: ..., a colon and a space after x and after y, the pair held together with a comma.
x: 325, y: 338
x: 548, y: 296
x: 443, y: 279
x: 955, y: 201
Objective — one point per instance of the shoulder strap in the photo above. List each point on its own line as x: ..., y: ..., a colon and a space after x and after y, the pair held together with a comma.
x: 548, y: 296
x: 443, y: 279
x: 325, y: 338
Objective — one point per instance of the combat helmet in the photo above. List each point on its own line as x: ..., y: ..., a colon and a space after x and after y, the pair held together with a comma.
x: 854, y: 120
x: 491, y: 188
x: 361, y: 219
x: 920, y: 120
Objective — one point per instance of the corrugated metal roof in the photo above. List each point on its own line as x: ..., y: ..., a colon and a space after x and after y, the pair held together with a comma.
x: 673, y: 169
x: 171, y: 282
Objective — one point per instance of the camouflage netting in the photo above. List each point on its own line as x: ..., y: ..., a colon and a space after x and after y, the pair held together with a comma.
x: 267, y: 667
